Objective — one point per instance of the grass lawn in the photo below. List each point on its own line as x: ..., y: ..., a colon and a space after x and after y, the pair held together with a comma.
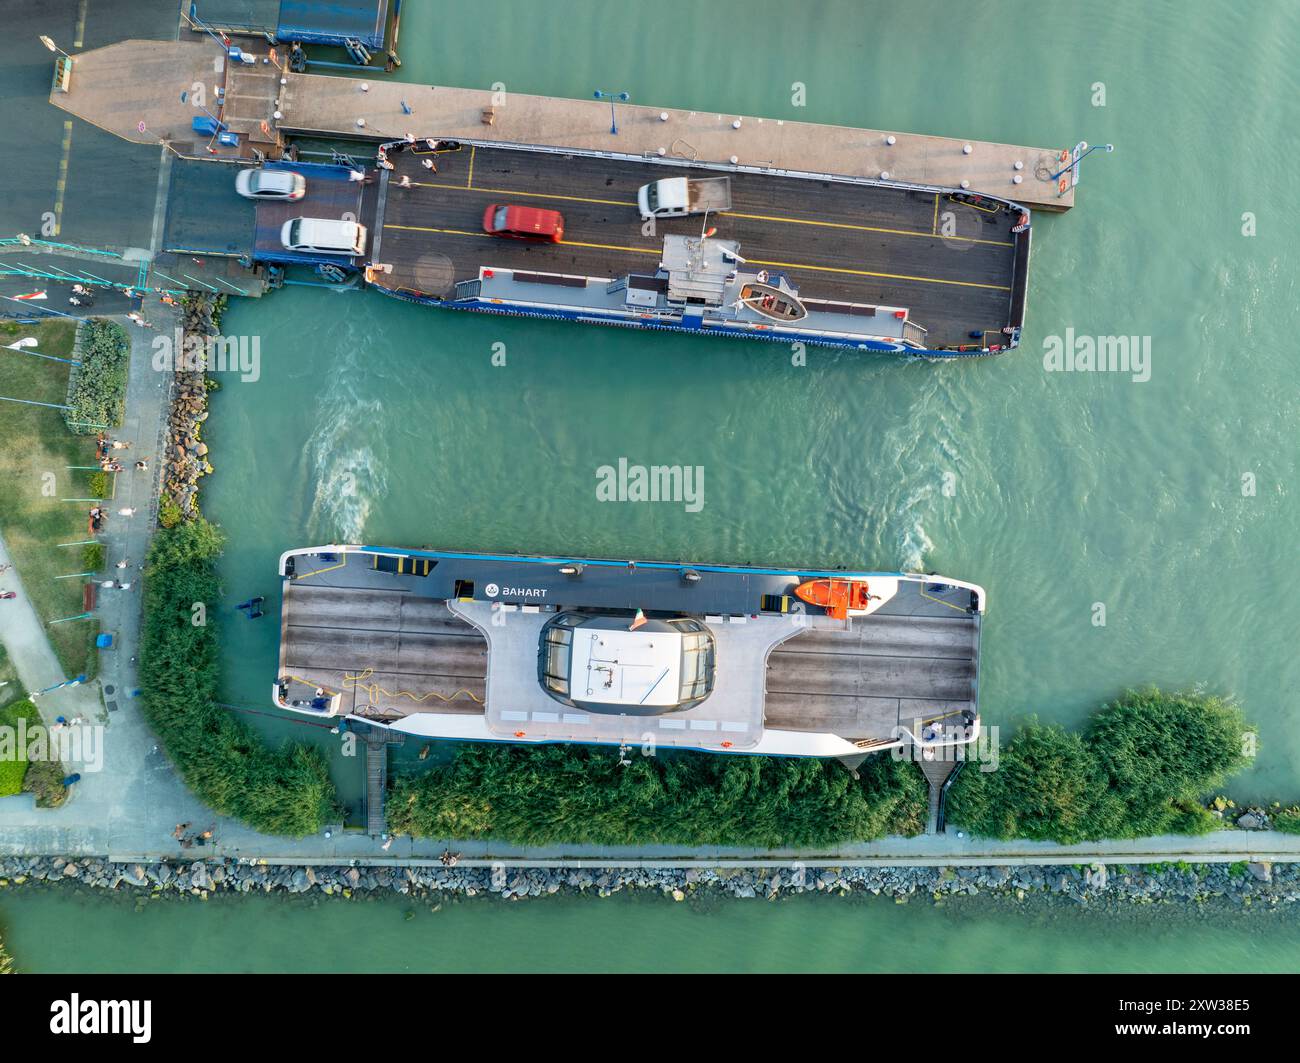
x: 13, y: 769
x: 35, y: 445
x: 10, y: 688
x: 44, y: 778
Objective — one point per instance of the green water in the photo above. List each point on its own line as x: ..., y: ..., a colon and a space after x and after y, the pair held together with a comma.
x: 380, y: 422
x: 58, y: 930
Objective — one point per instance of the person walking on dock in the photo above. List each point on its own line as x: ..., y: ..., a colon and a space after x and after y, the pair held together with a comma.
x: 428, y: 165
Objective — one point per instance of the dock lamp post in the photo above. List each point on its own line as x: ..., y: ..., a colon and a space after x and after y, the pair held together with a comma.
x: 622, y: 97
x: 1075, y: 162
x: 54, y: 47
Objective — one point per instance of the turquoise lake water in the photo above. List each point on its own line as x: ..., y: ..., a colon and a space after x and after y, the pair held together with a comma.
x: 57, y: 930
x: 375, y: 421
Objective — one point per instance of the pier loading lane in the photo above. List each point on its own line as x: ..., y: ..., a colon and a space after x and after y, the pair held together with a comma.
x: 952, y: 264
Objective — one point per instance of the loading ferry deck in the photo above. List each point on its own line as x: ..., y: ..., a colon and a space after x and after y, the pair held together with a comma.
x: 847, y: 238
x: 725, y: 659
x: 875, y: 265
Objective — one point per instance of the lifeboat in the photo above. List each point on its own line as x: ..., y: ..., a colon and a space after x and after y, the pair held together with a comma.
x: 772, y: 302
x: 839, y: 597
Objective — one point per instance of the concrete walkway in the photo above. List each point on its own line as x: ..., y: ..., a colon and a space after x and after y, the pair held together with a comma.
x: 133, y: 769
x: 23, y: 635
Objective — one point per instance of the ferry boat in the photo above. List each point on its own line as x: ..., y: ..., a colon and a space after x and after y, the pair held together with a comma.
x: 849, y: 263
x: 864, y: 266
x: 725, y: 659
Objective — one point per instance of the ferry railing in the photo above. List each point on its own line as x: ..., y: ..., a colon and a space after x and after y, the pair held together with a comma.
x: 28, y: 243
x: 943, y: 795
x: 190, y: 15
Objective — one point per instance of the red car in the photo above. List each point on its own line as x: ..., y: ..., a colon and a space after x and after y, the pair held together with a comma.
x: 524, y: 223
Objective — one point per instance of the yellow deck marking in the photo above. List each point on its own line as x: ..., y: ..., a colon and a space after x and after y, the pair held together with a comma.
x: 61, y: 185
x: 81, y: 26
x: 614, y: 247
x: 426, y: 229
x: 934, y: 228
x: 859, y: 228
x: 751, y: 261
x: 318, y: 571
x: 469, y: 181
x: 530, y: 195
x: 870, y: 273
x: 959, y: 609
x: 780, y: 220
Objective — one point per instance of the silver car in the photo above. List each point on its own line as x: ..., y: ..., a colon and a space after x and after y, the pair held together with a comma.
x: 270, y: 184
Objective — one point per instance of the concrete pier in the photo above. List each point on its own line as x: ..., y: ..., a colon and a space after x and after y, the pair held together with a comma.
x: 124, y: 84
x: 331, y: 106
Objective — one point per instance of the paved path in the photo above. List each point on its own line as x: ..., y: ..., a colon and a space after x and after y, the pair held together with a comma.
x: 23, y: 635
x: 123, y: 792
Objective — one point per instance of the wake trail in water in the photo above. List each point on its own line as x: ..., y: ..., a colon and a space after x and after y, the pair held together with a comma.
x: 923, y: 448
x: 349, y: 473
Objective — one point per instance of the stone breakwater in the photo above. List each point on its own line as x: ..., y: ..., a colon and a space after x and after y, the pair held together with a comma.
x: 1254, y: 884
x: 186, y: 453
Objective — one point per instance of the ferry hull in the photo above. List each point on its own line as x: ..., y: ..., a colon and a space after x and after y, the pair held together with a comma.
x: 771, y: 334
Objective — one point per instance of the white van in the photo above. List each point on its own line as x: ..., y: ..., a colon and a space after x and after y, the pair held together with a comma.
x: 324, y: 235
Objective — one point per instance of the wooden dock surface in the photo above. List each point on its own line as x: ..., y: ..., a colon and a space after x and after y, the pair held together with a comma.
x: 121, y: 85
x: 330, y: 105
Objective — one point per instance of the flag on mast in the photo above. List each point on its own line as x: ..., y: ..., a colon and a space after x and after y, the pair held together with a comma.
x: 637, y: 620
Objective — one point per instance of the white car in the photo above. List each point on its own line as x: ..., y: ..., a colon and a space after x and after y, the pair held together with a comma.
x: 271, y: 184
x: 324, y: 236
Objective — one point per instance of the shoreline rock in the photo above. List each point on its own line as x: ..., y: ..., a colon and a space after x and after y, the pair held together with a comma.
x: 1239, y: 885
x: 186, y: 455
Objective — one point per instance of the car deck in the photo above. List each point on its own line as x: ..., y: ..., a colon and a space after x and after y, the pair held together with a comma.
x: 951, y: 264
x: 446, y: 639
